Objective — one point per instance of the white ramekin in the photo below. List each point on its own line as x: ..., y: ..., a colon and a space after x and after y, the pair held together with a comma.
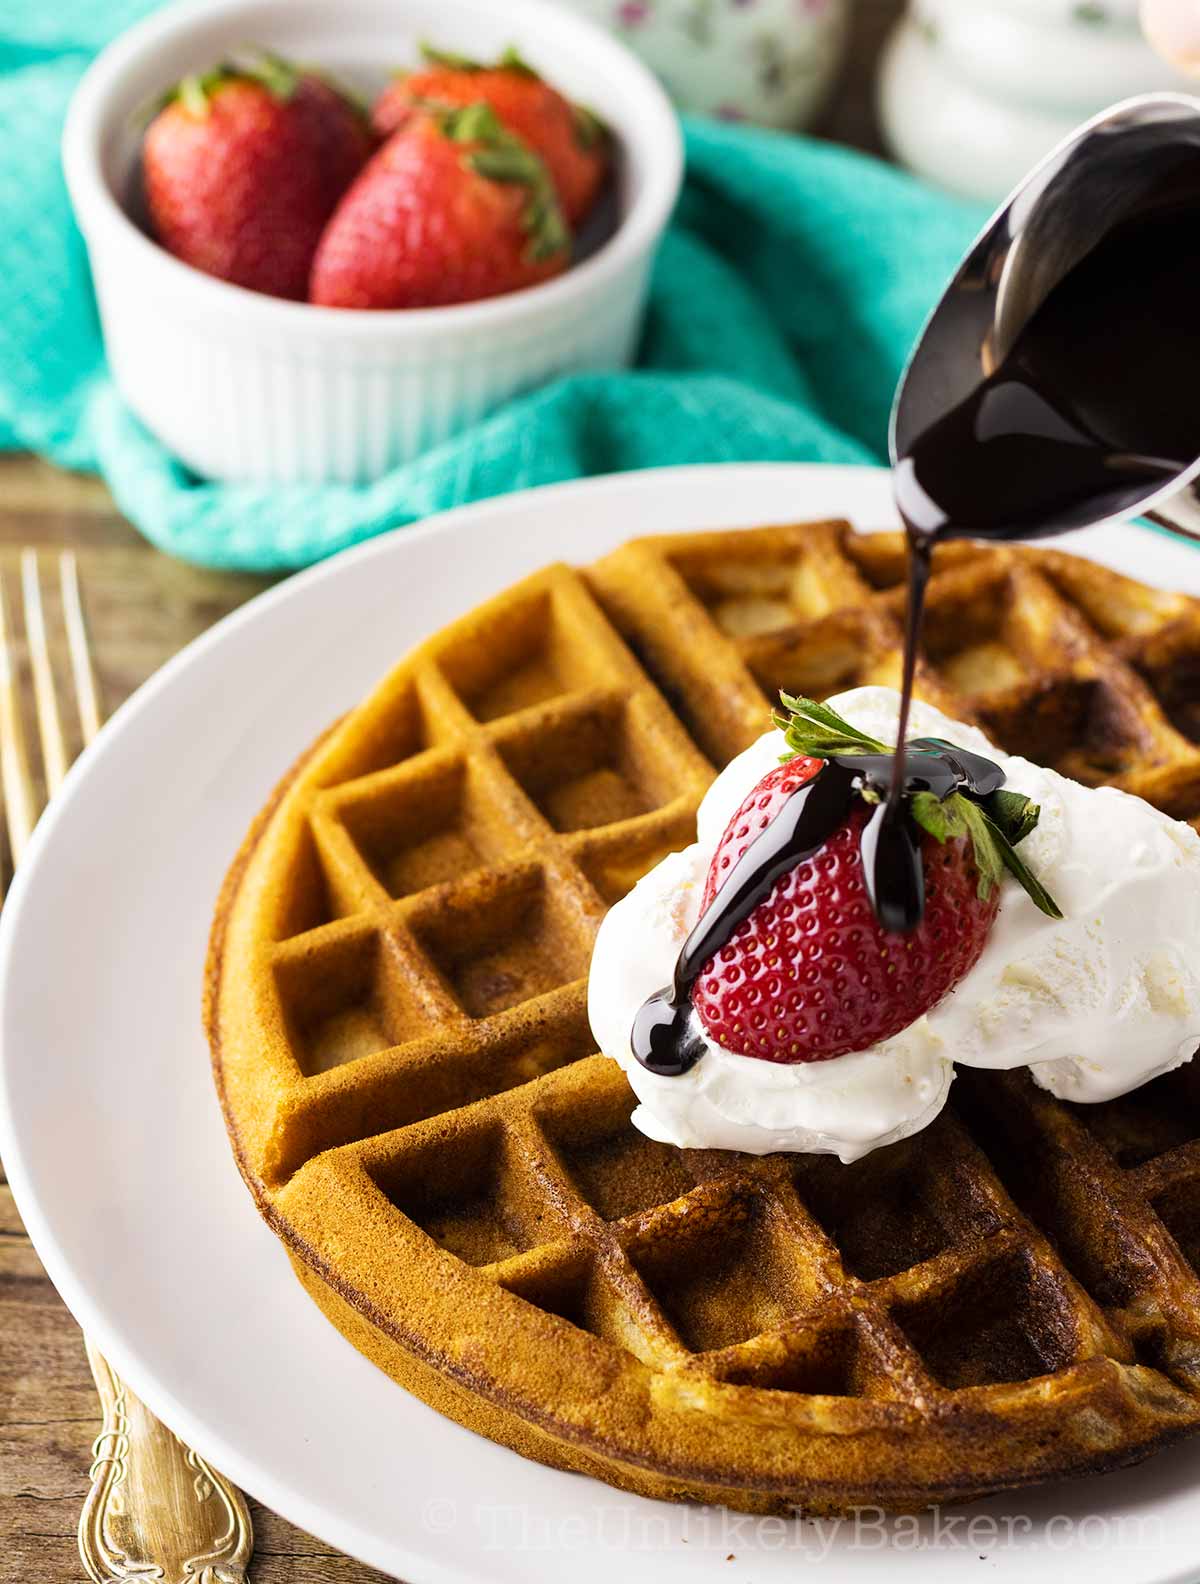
x: 241, y: 386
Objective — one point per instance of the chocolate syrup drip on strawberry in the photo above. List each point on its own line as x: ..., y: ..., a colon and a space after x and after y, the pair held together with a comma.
x: 666, y: 1039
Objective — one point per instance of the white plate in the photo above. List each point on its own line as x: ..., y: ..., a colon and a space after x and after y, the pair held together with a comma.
x: 116, y: 1152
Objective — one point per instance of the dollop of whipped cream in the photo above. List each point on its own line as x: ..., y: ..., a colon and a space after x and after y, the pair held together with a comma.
x: 1096, y: 1003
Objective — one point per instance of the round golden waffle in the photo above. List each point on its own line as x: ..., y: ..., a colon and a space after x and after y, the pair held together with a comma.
x: 396, y: 1006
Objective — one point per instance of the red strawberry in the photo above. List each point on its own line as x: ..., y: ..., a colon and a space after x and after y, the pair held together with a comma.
x: 756, y: 813
x: 244, y: 165
x: 811, y: 973
x: 452, y: 209
x: 569, y: 139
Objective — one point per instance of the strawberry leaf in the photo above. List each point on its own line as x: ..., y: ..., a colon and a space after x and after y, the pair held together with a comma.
x: 994, y: 854
x: 817, y: 744
x: 988, y: 860
x: 943, y: 821
x: 501, y: 156
x: 1022, y: 874
x: 192, y: 94
x: 815, y: 729
x: 449, y: 58
x: 279, y: 77
x: 472, y: 123
x: 503, y: 165
x: 590, y: 130
x: 1013, y: 814
x: 510, y: 59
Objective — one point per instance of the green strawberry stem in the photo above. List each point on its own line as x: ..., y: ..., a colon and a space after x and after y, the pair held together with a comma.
x: 193, y: 92
x: 995, y: 824
x: 501, y: 156
x: 590, y: 129
x: 815, y: 729
x: 279, y: 77
x: 510, y: 59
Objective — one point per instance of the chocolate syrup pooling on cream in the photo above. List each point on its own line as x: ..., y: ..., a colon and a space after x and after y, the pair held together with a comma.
x: 1051, y: 439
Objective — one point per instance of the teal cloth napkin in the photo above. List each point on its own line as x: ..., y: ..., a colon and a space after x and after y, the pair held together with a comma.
x: 788, y: 290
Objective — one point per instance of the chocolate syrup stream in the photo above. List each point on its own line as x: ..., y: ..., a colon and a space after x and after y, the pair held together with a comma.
x: 1049, y: 441
x: 920, y: 563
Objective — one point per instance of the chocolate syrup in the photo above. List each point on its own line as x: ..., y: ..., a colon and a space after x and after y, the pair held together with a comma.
x: 665, y: 1039
x: 1051, y: 439
x: 1047, y: 441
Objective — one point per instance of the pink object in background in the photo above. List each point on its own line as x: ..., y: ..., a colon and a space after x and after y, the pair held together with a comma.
x: 1173, y: 27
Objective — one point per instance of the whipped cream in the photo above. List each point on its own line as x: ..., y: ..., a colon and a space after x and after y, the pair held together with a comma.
x: 1095, y: 1003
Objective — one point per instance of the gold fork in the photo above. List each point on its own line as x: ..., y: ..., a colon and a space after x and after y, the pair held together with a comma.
x: 155, y: 1508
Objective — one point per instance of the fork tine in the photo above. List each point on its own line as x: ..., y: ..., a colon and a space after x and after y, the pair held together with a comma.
x: 19, y: 802
x: 54, y: 748
x: 86, y: 695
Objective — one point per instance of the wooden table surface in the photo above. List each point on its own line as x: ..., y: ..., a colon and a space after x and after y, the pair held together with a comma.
x: 142, y: 607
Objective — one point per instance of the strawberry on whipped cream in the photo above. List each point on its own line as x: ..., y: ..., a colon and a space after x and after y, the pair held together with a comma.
x: 1096, y: 1002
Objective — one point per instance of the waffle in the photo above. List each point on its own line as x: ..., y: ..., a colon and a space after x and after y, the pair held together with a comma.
x: 396, y: 1007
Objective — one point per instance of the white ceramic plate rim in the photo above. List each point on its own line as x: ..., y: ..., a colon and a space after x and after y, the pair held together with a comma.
x: 137, y: 1315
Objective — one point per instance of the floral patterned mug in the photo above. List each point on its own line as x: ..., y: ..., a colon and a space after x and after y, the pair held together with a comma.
x: 770, y: 61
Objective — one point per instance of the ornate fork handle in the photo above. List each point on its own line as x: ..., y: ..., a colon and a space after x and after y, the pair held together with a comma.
x: 156, y: 1510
